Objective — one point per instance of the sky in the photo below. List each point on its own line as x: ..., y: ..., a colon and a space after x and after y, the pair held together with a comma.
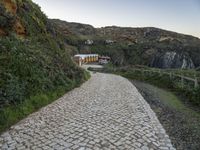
x: 181, y: 16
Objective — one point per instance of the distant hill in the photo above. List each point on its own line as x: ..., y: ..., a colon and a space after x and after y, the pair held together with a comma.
x: 144, y: 46
x: 34, y: 57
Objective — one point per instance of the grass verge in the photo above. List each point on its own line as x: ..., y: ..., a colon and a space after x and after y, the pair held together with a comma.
x: 181, y: 122
x: 191, y: 94
x: 11, y: 114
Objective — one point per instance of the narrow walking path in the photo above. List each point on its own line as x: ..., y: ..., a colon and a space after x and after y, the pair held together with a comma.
x: 106, y: 112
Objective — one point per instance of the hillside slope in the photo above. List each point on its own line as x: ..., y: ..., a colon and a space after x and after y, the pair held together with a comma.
x: 144, y: 46
x: 34, y: 58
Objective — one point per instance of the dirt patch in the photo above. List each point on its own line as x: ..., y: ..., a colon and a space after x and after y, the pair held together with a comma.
x: 2, y: 32
x: 10, y: 6
x: 180, y: 122
x: 17, y: 25
x: 19, y: 28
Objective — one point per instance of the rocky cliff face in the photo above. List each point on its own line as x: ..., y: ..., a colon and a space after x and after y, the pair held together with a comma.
x: 172, y: 60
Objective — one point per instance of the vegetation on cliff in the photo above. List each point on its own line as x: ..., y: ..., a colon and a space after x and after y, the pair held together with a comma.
x: 35, y: 64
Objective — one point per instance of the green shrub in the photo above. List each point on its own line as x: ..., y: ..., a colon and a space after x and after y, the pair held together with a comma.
x: 34, y: 70
x: 12, y: 113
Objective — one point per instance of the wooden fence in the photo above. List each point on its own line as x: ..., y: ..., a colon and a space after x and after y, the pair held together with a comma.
x: 172, y: 76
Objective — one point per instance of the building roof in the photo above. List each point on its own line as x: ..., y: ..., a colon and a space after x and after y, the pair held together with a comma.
x: 85, y: 55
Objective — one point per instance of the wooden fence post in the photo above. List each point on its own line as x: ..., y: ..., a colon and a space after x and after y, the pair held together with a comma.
x: 196, y: 85
x: 142, y: 72
x: 160, y: 73
x: 170, y: 76
x: 182, y: 81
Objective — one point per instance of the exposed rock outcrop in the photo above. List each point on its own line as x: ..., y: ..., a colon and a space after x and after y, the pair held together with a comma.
x: 19, y: 28
x: 11, y: 19
x: 172, y: 60
x: 10, y: 6
x: 89, y: 42
x: 109, y: 41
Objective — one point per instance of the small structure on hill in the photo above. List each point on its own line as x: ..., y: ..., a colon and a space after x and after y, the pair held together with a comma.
x: 104, y: 60
x: 80, y: 59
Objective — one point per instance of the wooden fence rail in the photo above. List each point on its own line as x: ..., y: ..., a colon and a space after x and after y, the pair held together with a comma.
x: 172, y: 76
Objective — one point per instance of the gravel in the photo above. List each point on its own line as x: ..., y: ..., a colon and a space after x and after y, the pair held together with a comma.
x: 182, y: 127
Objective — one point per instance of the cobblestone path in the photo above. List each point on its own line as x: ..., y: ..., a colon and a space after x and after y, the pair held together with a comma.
x: 106, y: 112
